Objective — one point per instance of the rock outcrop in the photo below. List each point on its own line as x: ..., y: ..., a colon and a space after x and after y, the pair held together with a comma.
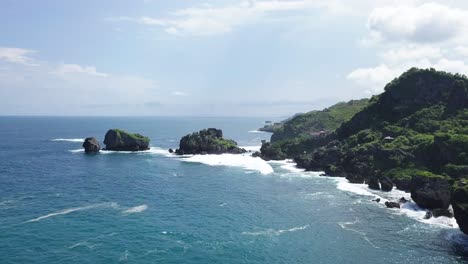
x: 386, y: 184
x: 91, y: 145
x: 120, y: 140
x: 392, y: 205
x: 430, y: 193
x: 207, y: 141
x: 460, y: 204
x: 373, y: 183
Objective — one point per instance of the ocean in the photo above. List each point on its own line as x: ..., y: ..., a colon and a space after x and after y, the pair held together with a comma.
x: 58, y: 205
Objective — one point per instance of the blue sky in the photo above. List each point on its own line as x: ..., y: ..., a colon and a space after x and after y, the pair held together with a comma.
x: 216, y: 58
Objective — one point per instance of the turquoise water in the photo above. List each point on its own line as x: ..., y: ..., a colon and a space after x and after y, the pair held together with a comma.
x: 58, y: 205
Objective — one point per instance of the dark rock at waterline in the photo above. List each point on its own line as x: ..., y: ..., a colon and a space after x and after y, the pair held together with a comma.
x: 91, y: 145
x: 171, y: 150
x: 403, y: 184
x: 403, y: 200
x: 386, y: 184
x: 430, y: 192
x: 120, y: 140
x: 208, y: 141
x: 442, y: 212
x: 376, y: 200
x: 373, y: 183
x: 428, y: 215
x: 460, y: 204
x: 392, y: 205
x: 354, y: 178
x: 257, y: 154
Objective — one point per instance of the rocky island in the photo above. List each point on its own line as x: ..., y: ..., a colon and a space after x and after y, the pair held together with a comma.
x: 413, y: 136
x: 91, y: 145
x: 207, y: 141
x: 119, y: 140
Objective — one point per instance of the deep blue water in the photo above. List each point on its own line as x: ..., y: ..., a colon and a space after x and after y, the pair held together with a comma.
x: 58, y: 205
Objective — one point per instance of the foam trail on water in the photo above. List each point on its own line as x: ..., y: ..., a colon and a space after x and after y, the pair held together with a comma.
x: 273, y: 232
x: 235, y: 160
x: 136, y: 209
x: 74, y: 209
x: 69, y: 139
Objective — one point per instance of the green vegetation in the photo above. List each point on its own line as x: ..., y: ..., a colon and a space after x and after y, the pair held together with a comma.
x: 305, y: 132
x: 136, y: 136
x: 417, y: 127
x: 328, y: 119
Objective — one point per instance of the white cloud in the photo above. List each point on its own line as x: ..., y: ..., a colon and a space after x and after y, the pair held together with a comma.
x: 61, y: 89
x: 209, y: 20
x: 17, y: 55
x: 462, y: 51
x: 374, y: 79
x: 65, y: 69
x: 179, y: 93
x: 423, y: 35
x: 411, y: 53
x: 428, y: 22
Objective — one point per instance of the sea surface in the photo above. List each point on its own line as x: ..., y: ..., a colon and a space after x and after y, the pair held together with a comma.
x: 58, y: 205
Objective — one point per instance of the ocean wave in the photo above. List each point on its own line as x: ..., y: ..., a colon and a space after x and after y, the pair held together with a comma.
x: 274, y: 232
x: 135, y: 209
x: 68, y: 140
x: 73, y: 209
x: 235, y: 160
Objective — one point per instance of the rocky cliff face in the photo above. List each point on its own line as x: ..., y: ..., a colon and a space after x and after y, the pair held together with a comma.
x: 207, y: 141
x: 460, y: 204
x: 120, y: 140
x: 431, y: 193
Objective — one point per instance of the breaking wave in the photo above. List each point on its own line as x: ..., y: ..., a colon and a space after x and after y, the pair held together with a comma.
x: 274, y: 232
x: 235, y: 160
x: 135, y: 209
x: 68, y: 140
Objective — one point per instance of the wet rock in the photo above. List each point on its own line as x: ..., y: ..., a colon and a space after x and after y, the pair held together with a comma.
x: 373, y: 183
x: 392, y: 205
x: 430, y: 192
x: 386, y: 184
x: 91, y: 145
x: 460, y: 204
x: 442, y: 212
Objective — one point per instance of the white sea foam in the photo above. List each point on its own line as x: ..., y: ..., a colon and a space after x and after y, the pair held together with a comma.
x: 74, y: 209
x: 345, y: 225
x: 235, y: 160
x: 409, y: 209
x: 274, y: 232
x: 69, y: 139
x: 251, y: 148
x: 135, y: 209
x: 152, y: 150
x: 76, y: 150
x: 258, y: 131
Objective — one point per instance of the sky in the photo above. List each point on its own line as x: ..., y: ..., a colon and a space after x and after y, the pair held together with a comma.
x: 267, y: 58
